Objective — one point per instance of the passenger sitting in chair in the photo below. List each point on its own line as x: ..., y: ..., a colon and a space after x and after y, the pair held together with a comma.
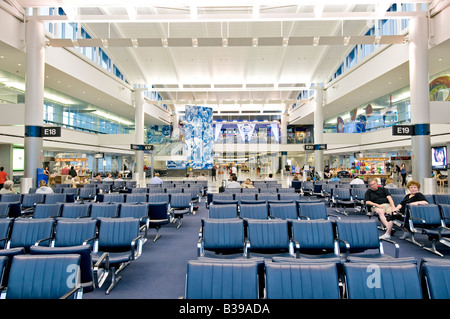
x: 382, y: 204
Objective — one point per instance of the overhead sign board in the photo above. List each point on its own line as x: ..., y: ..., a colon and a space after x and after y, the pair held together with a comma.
x: 403, y: 130
x: 50, y: 131
x: 140, y: 147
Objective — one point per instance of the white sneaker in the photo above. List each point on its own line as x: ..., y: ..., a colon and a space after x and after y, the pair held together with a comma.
x: 385, y: 236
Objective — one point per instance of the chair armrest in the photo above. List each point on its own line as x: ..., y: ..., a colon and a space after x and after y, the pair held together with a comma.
x: 333, y: 215
x: 200, y: 247
x: 439, y: 230
x: 294, y: 247
x: 303, y: 217
x: 246, y: 248
x: 78, y: 290
x: 135, y: 253
x: 89, y: 239
x: 338, y: 249
x: 41, y: 240
x: 100, y: 279
x: 397, y: 247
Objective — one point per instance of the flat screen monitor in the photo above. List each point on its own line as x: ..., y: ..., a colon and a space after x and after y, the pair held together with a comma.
x: 18, y: 159
x: 439, y: 157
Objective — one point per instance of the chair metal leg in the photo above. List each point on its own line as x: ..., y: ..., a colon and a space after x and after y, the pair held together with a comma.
x: 158, y: 235
x: 413, y: 240
x: 433, y: 248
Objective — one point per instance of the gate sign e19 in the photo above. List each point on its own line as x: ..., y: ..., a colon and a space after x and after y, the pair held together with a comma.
x: 403, y: 130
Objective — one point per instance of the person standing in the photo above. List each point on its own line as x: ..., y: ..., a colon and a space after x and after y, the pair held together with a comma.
x: 3, y: 177
x: 403, y: 173
x: 213, y: 173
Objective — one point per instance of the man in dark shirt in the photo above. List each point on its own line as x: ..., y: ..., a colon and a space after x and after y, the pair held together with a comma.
x: 382, y: 203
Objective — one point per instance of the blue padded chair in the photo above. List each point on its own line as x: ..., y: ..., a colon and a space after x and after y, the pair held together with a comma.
x: 267, y: 238
x: 314, y: 239
x: 75, y: 210
x: 307, y: 188
x: 5, y: 231
x: 283, y: 210
x: 139, y: 190
x: 87, y: 193
x: 28, y: 232
x: 286, y: 190
x: 105, y: 210
x: 245, y: 197
x: 3, y: 267
x: 222, y: 280
x: 130, y: 184
x: 55, y: 198
x: 29, y: 201
x: 268, y: 197
x: 10, y: 209
x: 438, y: 198
x: 91, y: 276
x: 158, y: 215
x: 223, y: 196
x: 180, y: 204
x: 301, y: 281
x: 104, y: 188
x: 44, y: 277
x: 47, y: 210
x: 158, y: 198
x: 136, y: 210
x: 289, y: 196
x: 435, y: 274
x: 251, y: 211
x: 74, y: 232
x: 426, y: 219
x: 358, y: 197
x: 399, y: 191
x: 71, y: 191
x: 297, y: 185
x: 119, y: 237
x: 342, y: 197
x: 316, y: 210
x: 10, y: 197
x: 223, y: 211
x: 136, y: 198
x: 358, y: 236
x: 222, y: 237
x: 157, y: 190
x: 382, y: 281
x: 111, y: 198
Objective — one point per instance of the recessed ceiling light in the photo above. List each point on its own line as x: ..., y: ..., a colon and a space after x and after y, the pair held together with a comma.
x: 440, y: 59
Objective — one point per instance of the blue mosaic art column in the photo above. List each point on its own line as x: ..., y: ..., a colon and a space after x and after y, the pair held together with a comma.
x: 199, y: 136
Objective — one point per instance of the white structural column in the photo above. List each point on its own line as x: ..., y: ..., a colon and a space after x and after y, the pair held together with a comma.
x: 34, y: 97
x: 318, y: 128
x: 175, y: 128
x: 139, y: 131
x: 420, y: 102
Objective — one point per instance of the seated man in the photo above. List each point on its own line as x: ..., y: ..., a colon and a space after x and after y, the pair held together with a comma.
x: 156, y: 179
x: 233, y: 183
x: 382, y: 204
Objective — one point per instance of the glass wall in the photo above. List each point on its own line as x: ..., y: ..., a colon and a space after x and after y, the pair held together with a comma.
x: 387, y: 110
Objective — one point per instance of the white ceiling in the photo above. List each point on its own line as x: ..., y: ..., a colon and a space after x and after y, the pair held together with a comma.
x: 213, y: 74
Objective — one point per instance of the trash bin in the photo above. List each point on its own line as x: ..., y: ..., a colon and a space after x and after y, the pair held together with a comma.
x: 429, y: 186
x: 25, y: 184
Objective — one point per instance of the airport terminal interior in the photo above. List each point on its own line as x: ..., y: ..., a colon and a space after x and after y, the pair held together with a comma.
x: 149, y: 106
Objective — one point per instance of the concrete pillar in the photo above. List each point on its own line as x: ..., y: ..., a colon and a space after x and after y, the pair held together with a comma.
x: 283, y: 128
x: 139, y: 131
x: 420, y: 103
x: 34, y: 97
x: 318, y: 128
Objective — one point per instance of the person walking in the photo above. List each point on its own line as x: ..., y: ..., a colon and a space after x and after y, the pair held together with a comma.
x: 403, y: 174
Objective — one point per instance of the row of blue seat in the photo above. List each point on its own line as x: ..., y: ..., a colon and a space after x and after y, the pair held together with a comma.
x: 270, y: 209
x: 104, y: 245
x: 293, y: 238
x: 211, y: 279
